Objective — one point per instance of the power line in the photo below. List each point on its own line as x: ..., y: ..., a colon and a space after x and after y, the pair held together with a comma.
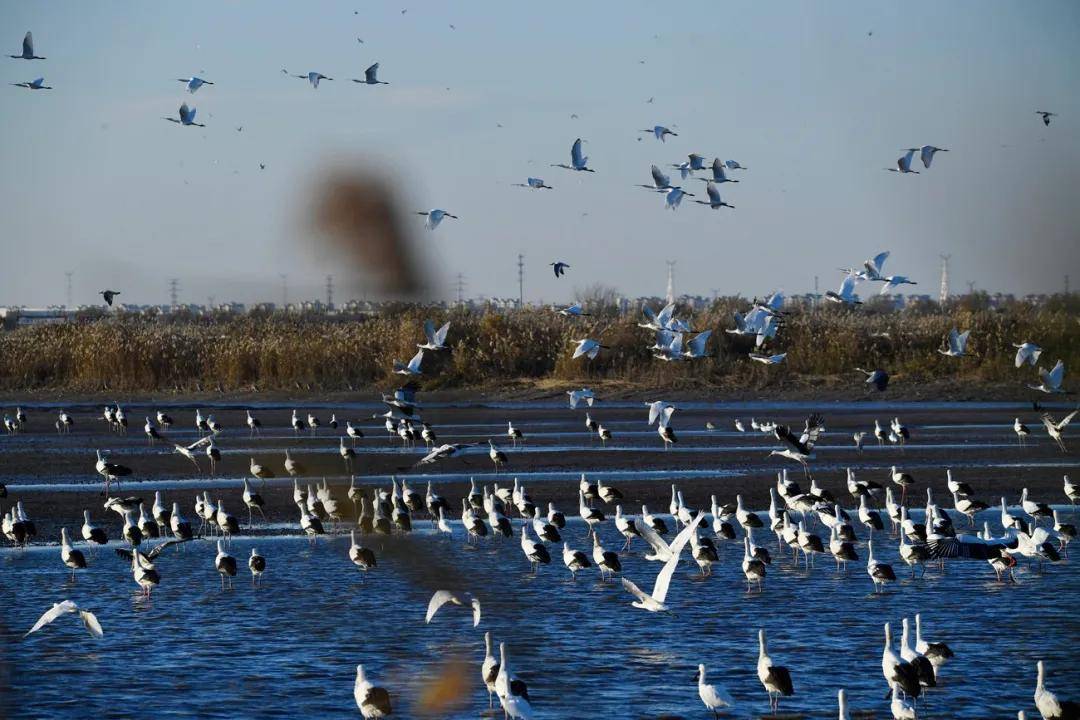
x: 174, y: 292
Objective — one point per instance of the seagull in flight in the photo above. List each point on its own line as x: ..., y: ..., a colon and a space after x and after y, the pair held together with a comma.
x: 559, y: 268
x: 60, y: 609
x: 434, y: 217
x: 714, y: 200
x: 370, y: 77
x: 187, y: 117
x: 1045, y: 115
x: 660, y: 132
x: 578, y: 161
x: 109, y: 295
x: 534, y: 183
x: 903, y: 163
x: 38, y: 84
x: 194, y: 83
x: 312, y: 77
x: 926, y: 153
x: 28, y: 53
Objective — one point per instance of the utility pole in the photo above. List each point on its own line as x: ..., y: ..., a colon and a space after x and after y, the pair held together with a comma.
x: 69, y: 273
x: 521, y: 281
x: 329, y: 292
x: 943, y: 296
x: 174, y: 292
x: 670, y: 281
x: 284, y: 290
x: 460, y: 289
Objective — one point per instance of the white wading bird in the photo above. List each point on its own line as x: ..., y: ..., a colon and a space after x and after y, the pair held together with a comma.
x: 413, y: 368
x: 674, y: 197
x: 28, y: 54
x: 436, y: 339
x: 37, y: 84
x: 655, y: 602
x: 441, y: 597
x: 926, y: 153
x: 660, y: 180
x: 371, y: 76
x: 714, y: 201
x: 903, y: 163
x: 194, y: 83
x: 312, y: 77
x: 1056, y: 429
x: 1051, y: 381
x: 1027, y: 352
x: 577, y: 160
x: 894, y: 281
x: 435, y: 216
x: 957, y: 343
x: 846, y: 295
x: 588, y: 347
x: 187, y: 117
x: 719, y: 174
x: 64, y: 608
x: 660, y: 132
x: 533, y: 183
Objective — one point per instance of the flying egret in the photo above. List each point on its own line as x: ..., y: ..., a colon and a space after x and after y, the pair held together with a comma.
x: 878, y: 378
x: 573, y: 311
x: 577, y: 160
x: 656, y: 601
x: 578, y: 396
x: 894, y: 281
x: 927, y: 154
x: 66, y: 607
x: 846, y: 295
x: 957, y: 343
x: 589, y: 347
x: 559, y: 268
x: 768, y: 359
x: 313, y: 78
x: 38, y: 84
x: 714, y: 200
x: 1055, y: 429
x: 370, y: 77
x: 534, y: 183
x: 1051, y: 381
x: 695, y: 349
x: 1045, y: 115
x: 436, y: 339
x: 674, y: 197
x: 441, y: 597
x: 734, y: 165
x: 719, y: 175
x: 660, y: 180
x: 874, y: 268
x: 660, y: 132
x: 194, y: 83
x: 413, y: 368
x: 1027, y: 352
x: 28, y: 54
x: 903, y: 163
x: 187, y: 117
x: 435, y: 216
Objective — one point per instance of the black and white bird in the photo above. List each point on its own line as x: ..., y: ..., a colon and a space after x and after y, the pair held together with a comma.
x: 536, y: 552
x: 878, y: 378
x: 559, y: 268
x: 489, y: 669
x: 1056, y: 430
x: 74, y: 559
x: 774, y: 678
x: 512, y: 692
x: 225, y: 565
x: 607, y: 561
x: 799, y: 448
x: 371, y: 78
x: 574, y: 560
x: 362, y: 557
x: 257, y: 566
x: 254, y: 424
x: 898, y: 672
x: 881, y: 573
x: 937, y: 653
x: 91, y: 532
x: 373, y: 701
x: 1042, y: 113
x: 924, y: 669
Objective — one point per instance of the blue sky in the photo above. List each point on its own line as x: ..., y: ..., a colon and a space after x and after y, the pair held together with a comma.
x: 800, y: 93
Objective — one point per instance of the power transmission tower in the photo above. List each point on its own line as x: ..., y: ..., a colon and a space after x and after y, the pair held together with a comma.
x: 670, y: 281
x: 521, y: 281
x: 174, y: 292
x: 284, y: 290
x: 69, y: 274
x: 460, y: 289
x: 329, y: 292
x: 943, y: 296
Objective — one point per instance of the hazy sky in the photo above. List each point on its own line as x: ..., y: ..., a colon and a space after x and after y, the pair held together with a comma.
x: 801, y: 93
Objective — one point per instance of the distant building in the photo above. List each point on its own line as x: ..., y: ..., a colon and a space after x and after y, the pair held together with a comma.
x: 12, y: 317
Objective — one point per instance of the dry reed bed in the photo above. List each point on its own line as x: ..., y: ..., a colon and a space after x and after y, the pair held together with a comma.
x: 279, y: 352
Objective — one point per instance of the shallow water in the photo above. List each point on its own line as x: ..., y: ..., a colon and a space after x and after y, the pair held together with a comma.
x: 289, y: 648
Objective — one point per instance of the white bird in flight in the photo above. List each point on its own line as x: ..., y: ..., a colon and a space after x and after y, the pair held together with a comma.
x: 660, y: 180
x: 573, y: 311
x: 413, y: 368
x: 370, y: 77
x: 655, y: 601
x: 719, y: 174
x: 846, y: 295
x: 714, y: 201
x: 435, y: 216
x: 1051, y: 381
x: 187, y: 117
x: 589, y: 347
x: 578, y: 396
x: 768, y: 359
x: 436, y: 339
x: 38, y: 84
x: 894, y: 281
x: 312, y: 77
x: 194, y: 83
x: 577, y: 160
x: 441, y: 597
x: 903, y: 163
x: 957, y: 343
x: 1027, y: 352
x: 28, y: 53
x: 674, y: 197
x: 926, y: 154
x: 534, y: 183
x: 60, y: 609
x: 660, y: 132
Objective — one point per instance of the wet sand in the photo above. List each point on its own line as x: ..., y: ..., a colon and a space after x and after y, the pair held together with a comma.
x: 54, y: 474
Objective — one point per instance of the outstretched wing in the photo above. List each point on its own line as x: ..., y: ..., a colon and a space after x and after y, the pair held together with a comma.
x: 57, y: 610
x: 90, y: 622
x: 440, y: 598
x: 475, y: 612
x: 440, y: 336
x: 966, y: 546
x: 200, y: 442
x: 657, y: 543
x: 815, y: 425
x: 28, y: 44
x: 161, y: 548
x: 575, y: 153
x: 663, y: 578
x: 634, y: 590
x: 783, y: 434
x: 1056, y: 375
